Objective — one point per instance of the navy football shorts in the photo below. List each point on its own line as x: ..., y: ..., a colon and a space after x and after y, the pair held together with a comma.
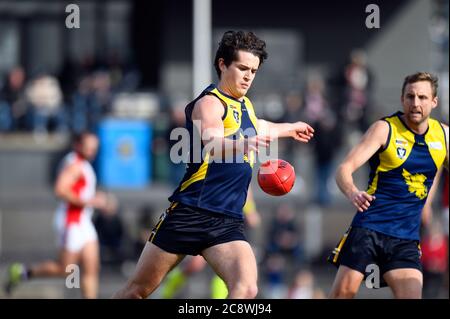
x: 362, y: 247
x: 188, y: 230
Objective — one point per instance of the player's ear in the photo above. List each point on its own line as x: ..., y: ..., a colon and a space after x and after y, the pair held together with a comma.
x: 434, y: 102
x: 222, y: 65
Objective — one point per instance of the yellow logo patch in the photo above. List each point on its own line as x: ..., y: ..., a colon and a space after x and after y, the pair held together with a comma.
x: 416, y: 184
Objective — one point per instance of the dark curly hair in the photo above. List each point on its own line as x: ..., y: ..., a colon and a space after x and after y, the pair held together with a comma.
x: 233, y: 41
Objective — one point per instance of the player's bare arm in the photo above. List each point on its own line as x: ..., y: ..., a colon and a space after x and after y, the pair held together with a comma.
x: 373, y: 139
x: 427, y: 211
x: 299, y: 131
x: 207, y: 113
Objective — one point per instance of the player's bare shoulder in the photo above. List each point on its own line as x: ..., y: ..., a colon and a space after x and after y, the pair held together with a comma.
x: 378, y: 131
x: 208, y: 105
x: 72, y: 170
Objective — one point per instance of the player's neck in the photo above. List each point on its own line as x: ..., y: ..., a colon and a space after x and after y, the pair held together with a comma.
x: 223, y: 87
x: 419, y: 129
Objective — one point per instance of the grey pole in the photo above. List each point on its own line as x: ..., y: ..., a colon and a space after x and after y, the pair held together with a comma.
x: 201, y: 67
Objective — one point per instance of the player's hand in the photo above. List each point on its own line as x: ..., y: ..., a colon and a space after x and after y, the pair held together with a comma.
x: 361, y: 200
x: 302, y: 132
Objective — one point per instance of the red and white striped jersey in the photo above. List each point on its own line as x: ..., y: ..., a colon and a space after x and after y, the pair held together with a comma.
x: 84, y: 187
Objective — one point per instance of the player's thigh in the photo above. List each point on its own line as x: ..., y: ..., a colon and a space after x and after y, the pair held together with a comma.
x: 153, y: 264
x: 90, y: 258
x: 405, y: 282
x: 233, y: 261
x: 69, y: 257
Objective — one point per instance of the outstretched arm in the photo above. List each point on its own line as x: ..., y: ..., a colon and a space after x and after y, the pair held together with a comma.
x: 373, y: 139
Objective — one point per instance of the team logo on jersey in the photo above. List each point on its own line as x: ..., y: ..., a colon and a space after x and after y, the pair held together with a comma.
x: 435, y: 145
x: 416, y: 184
x: 236, y: 116
x: 401, y: 152
x: 400, y: 142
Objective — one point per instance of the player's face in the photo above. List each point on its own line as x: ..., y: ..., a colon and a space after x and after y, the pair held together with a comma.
x: 237, y: 78
x: 89, y: 147
x: 418, y: 101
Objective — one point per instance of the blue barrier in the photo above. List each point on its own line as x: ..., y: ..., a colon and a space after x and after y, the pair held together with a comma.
x: 124, y: 159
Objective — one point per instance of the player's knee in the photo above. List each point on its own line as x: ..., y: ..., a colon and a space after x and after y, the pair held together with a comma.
x: 133, y: 291
x: 344, y: 292
x: 252, y: 291
x: 244, y: 291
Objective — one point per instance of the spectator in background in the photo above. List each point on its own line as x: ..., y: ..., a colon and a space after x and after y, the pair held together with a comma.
x: 293, y: 111
x: 101, y: 97
x: 45, y: 97
x: 80, y: 105
x: 284, y: 236
x: 303, y: 287
x: 145, y: 222
x: 111, y: 232
x: 91, y: 100
x: 275, y: 273
x: 358, y: 85
x: 13, y: 107
x: 328, y: 139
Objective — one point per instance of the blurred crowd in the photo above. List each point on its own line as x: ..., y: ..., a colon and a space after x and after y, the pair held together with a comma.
x: 72, y: 101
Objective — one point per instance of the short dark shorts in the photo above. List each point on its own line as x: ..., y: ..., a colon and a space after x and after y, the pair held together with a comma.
x: 188, y: 230
x: 362, y: 247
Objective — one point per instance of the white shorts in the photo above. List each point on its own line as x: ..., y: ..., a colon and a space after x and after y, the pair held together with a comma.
x: 74, y: 236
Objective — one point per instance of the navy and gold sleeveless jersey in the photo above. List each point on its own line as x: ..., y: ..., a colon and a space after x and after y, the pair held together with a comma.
x: 220, y: 187
x: 401, y: 175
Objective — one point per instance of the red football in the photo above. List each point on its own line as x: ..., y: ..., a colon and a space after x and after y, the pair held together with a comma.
x: 276, y: 177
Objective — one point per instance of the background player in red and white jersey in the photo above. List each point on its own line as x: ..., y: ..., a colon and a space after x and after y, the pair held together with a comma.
x: 76, y: 236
